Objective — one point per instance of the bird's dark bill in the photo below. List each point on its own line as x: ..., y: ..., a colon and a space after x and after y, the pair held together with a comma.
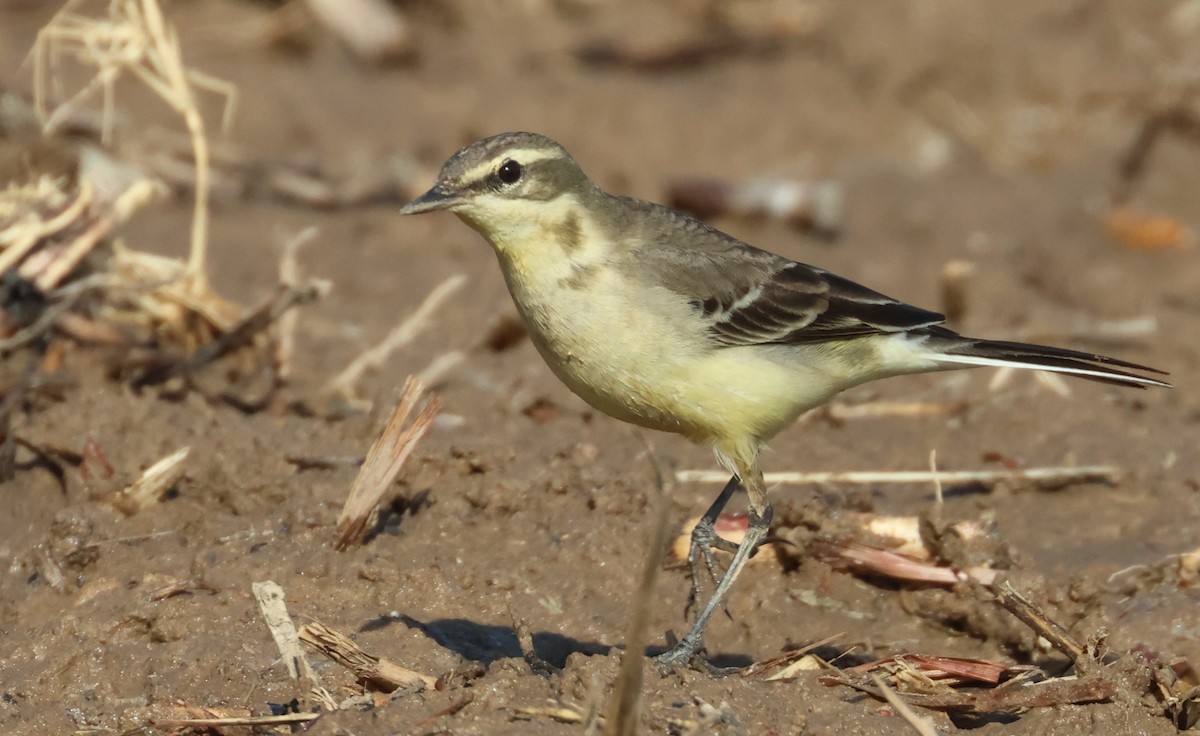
x: 435, y: 199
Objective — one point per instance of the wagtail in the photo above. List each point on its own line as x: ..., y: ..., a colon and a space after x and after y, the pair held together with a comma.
x: 660, y: 320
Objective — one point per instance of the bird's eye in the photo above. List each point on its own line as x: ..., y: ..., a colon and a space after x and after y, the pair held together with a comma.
x: 510, y: 171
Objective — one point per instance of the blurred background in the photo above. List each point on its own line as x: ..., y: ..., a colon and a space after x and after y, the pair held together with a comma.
x: 1029, y: 168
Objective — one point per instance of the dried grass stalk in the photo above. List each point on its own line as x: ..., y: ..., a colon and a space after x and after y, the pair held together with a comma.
x: 157, y: 480
x: 215, y: 723
x: 922, y: 725
x: 788, y: 664
x: 20, y: 205
x: 377, y: 672
x: 1033, y: 616
x: 1051, y: 477
x: 385, y: 458
x: 343, y: 384
x: 134, y: 38
x: 289, y: 276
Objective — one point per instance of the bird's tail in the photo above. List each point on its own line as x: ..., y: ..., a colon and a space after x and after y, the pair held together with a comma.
x: 958, y: 350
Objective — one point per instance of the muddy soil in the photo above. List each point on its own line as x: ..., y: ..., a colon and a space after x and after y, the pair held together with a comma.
x: 986, y: 132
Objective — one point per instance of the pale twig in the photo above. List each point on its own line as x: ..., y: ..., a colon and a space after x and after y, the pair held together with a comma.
x: 783, y: 666
x: 274, y: 610
x: 343, y: 384
x: 289, y: 276
x: 921, y: 725
x: 157, y: 479
x: 840, y: 411
x: 440, y: 366
x: 27, y: 233
x: 1039, y: 476
x: 65, y: 262
x: 281, y: 720
x: 560, y: 713
x: 384, y: 460
x: 937, y: 482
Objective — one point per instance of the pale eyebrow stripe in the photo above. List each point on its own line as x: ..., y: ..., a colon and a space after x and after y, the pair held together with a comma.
x: 525, y: 156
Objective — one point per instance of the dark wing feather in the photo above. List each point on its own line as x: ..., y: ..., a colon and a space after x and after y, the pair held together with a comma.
x: 752, y: 297
x: 801, y: 304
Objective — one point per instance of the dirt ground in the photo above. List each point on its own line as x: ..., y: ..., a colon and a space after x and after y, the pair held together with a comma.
x: 986, y: 132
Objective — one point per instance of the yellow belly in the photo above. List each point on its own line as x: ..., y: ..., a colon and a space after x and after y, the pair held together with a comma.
x: 646, y: 361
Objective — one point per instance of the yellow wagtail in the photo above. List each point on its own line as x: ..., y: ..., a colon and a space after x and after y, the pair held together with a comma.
x: 658, y: 319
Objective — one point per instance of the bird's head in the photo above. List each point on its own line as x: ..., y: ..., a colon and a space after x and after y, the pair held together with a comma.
x: 507, y: 186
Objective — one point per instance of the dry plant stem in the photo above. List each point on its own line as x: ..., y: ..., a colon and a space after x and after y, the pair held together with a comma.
x: 949, y: 670
x: 561, y: 713
x: 1039, y: 476
x: 380, y: 673
x: 274, y: 610
x: 920, y: 724
x: 343, y: 383
x: 135, y: 38
x: 158, y: 478
x: 1035, y: 618
x: 26, y: 235
x: 440, y: 366
x: 282, y: 720
x: 770, y: 669
x: 60, y: 267
x: 1059, y: 691
x: 625, y: 707
x: 939, y: 502
x: 49, y: 318
x: 384, y: 460
x: 841, y: 412
x: 241, y: 334
x: 289, y: 276
x: 956, y: 277
x: 590, y: 715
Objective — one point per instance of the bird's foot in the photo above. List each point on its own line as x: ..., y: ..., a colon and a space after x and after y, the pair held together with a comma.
x: 689, y: 652
x: 701, y: 560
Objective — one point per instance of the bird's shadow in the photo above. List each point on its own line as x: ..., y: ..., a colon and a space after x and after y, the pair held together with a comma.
x: 488, y: 643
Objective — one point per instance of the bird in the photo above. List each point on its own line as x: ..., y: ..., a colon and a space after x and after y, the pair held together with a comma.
x: 660, y: 320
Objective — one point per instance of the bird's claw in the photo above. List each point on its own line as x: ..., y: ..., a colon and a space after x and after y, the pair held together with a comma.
x: 704, y: 541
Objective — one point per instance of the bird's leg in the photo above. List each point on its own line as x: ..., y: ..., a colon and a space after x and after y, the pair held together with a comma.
x: 705, y: 539
x: 760, y: 521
